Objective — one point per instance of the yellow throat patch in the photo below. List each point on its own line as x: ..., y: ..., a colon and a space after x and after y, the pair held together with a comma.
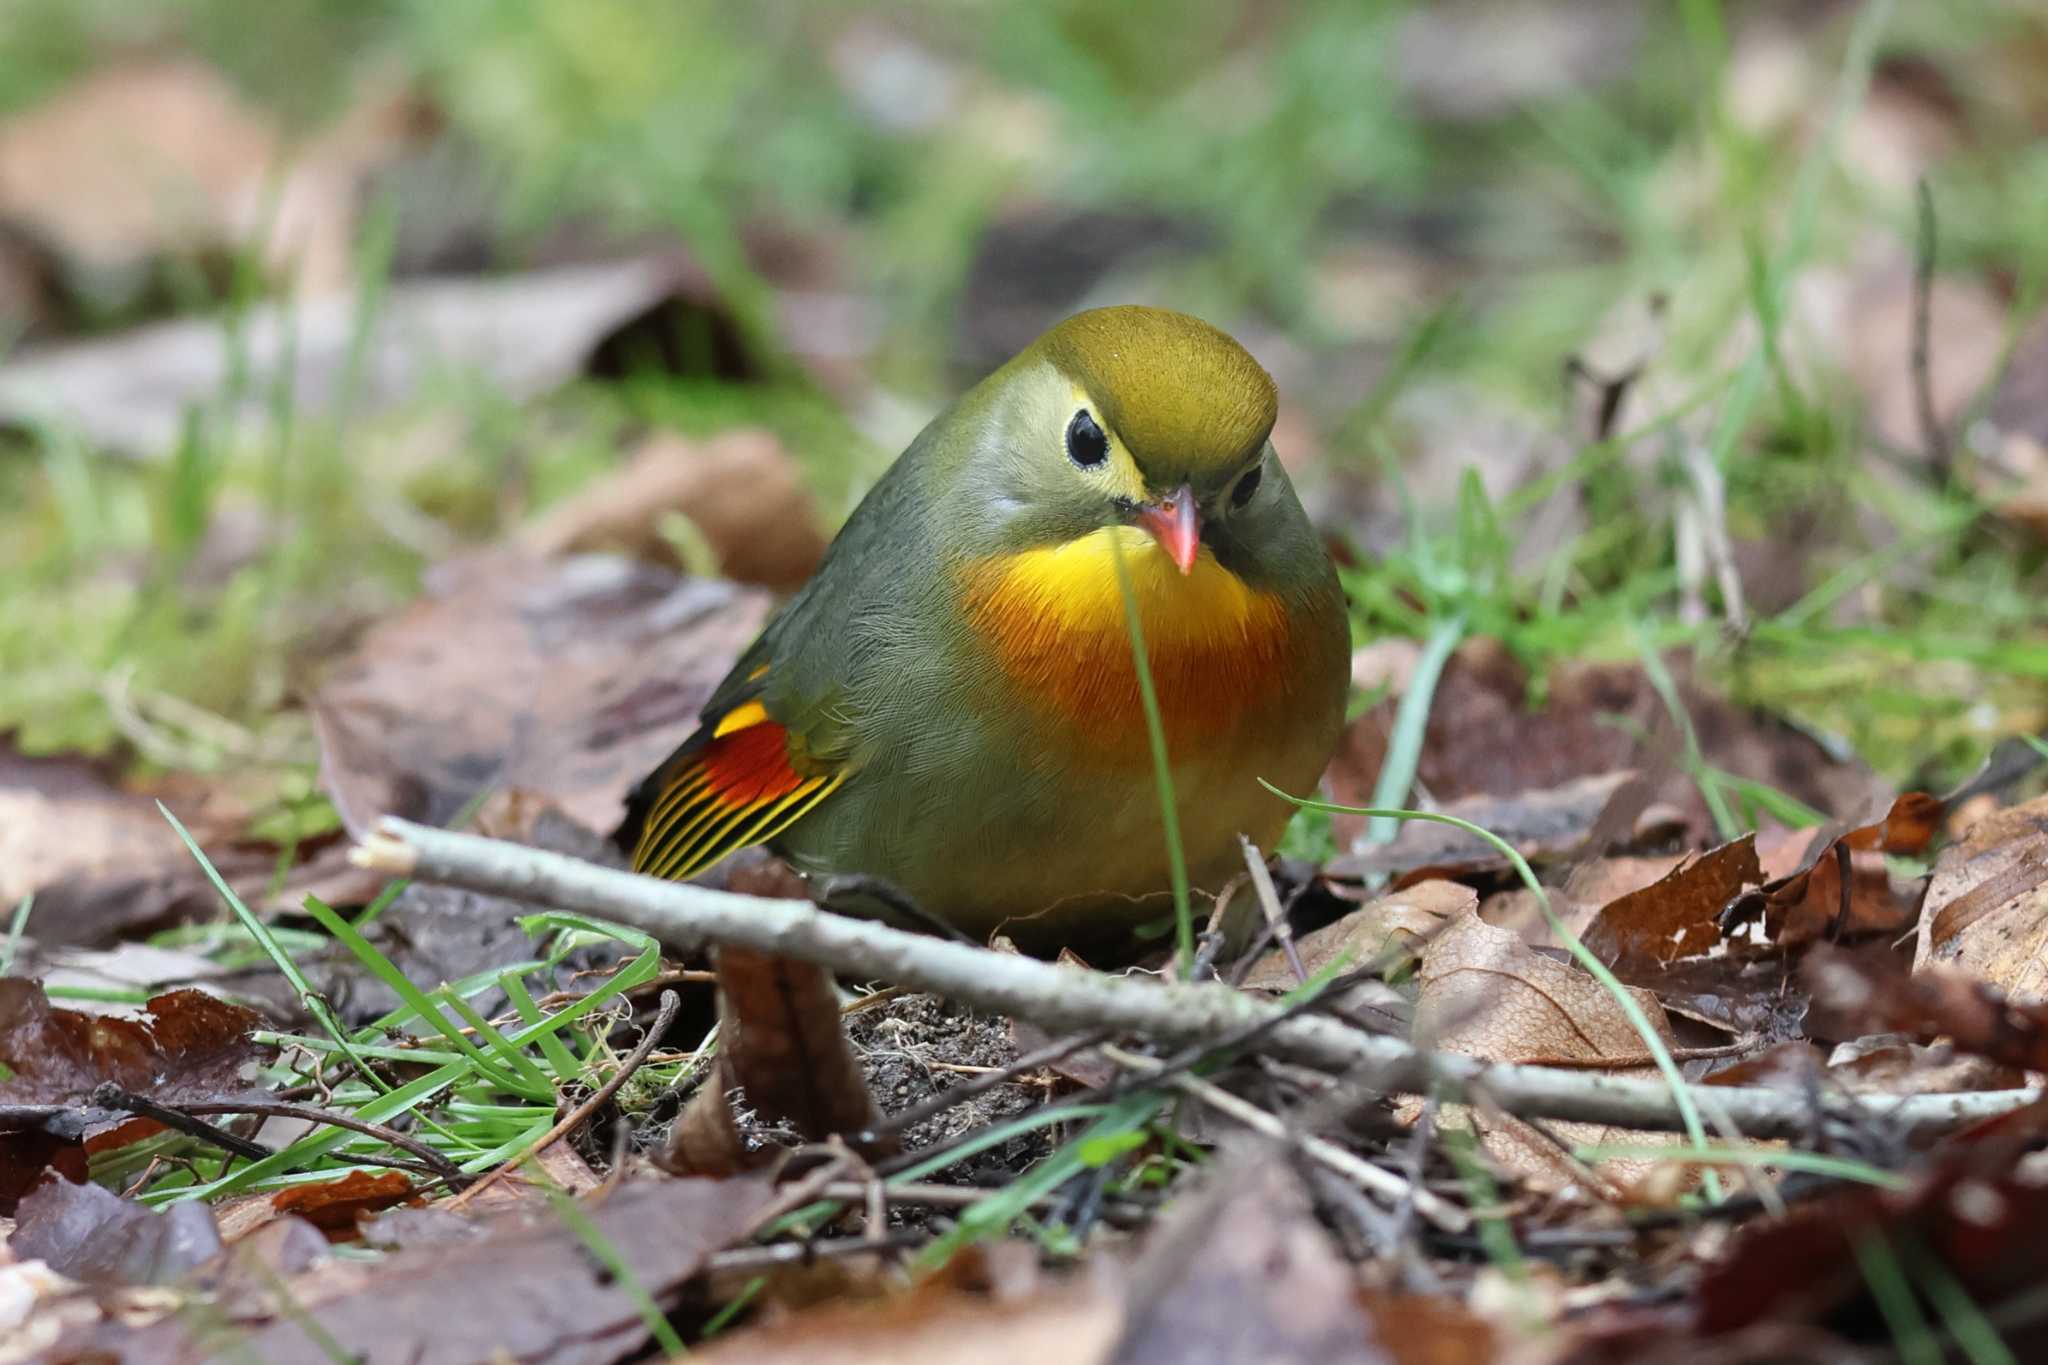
x: 1054, y: 619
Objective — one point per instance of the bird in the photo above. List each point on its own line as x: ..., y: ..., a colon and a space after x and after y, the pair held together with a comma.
x: 950, y: 709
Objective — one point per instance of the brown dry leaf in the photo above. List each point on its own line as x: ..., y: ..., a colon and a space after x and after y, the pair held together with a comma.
x: 1589, y: 888
x: 336, y: 1206
x: 524, y: 334
x: 1240, y: 1272
x: 783, y: 1047
x: 152, y: 155
x: 1400, y: 922
x: 1872, y: 993
x: 1540, y: 825
x: 103, y: 863
x: 1074, y: 1321
x: 188, y: 1046
x: 569, y: 679
x: 1677, y: 917
x: 1883, y: 1065
x: 1484, y: 739
x: 1810, y: 904
x: 1485, y: 993
x: 1243, y: 1272
x: 1977, y: 1210
x: 740, y: 490
x: 1986, y: 911
x: 528, y: 1288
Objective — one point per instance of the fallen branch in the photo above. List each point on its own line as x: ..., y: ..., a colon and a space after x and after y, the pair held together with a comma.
x: 1067, y: 998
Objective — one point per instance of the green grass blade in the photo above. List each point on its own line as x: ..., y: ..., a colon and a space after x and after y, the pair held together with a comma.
x: 1162, y: 770
x: 14, y: 928
x: 310, y: 1000
x: 1404, y: 747
x: 386, y: 971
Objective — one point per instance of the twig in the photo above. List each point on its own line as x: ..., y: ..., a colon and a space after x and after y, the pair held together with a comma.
x: 1347, y: 1164
x: 1067, y: 999
x: 1269, y: 902
x: 574, y: 1119
x: 111, y: 1096
x: 1940, y: 458
x: 185, y: 1119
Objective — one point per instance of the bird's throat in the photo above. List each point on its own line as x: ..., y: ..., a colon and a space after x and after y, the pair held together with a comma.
x: 1054, y: 618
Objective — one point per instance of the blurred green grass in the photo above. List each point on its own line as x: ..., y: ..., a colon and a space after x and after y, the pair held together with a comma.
x: 1276, y: 136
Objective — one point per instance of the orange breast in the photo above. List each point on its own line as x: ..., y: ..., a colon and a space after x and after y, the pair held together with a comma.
x: 1054, y: 620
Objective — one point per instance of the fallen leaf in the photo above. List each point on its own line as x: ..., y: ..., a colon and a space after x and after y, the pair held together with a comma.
x: 783, y: 1048
x: 1678, y: 916
x: 1873, y: 993
x: 1074, y: 1320
x: 529, y: 1288
x: 1540, y: 825
x: 1986, y: 911
x: 188, y: 1046
x: 94, y: 1236
x: 102, y: 862
x: 570, y: 679
x: 525, y: 335
x: 155, y: 156
x: 1974, y: 1214
x: 336, y: 1207
x: 1400, y: 922
x: 1244, y: 1272
x: 739, y: 490
x: 1811, y: 903
x: 1485, y: 993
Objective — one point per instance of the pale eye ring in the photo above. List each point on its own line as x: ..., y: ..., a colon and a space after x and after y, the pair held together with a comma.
x: 1087, y: 445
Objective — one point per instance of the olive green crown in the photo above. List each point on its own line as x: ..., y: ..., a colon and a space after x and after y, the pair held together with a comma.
x: 1187, y: 400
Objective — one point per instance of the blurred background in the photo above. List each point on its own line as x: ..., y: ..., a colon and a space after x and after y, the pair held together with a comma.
x: 1596, y: 322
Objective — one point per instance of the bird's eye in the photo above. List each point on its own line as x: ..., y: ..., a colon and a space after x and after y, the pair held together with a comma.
x: 1246, y: 486
x: 1086, y: 445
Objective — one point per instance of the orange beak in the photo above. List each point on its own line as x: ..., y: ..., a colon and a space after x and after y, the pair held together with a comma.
x: 1176, y: 525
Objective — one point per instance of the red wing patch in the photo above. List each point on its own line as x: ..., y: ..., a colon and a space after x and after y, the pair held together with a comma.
x: 738, y: 787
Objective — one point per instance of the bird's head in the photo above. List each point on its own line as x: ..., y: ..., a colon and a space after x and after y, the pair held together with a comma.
x: 1126, y: 417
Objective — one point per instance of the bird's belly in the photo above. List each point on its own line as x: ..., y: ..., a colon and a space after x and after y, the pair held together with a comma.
x: 1029, y: 832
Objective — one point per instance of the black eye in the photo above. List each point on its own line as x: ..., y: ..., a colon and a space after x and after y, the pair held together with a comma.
x: 1086, y: 445
x: 1246, y: 486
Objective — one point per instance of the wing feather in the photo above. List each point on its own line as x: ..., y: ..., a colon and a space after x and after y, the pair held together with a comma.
x: 731, y: 785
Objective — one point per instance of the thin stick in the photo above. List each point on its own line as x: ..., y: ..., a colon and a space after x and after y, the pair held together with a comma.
x: 185, y: 1119
x: 574, y: 1119
x: 1352, y: 1167
x: 1070, y: 999
x: 1269, y: 902
x: 1940, y: 459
